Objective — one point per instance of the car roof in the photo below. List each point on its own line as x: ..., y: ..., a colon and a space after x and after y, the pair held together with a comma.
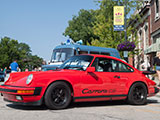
x: 98, y: 55
x: 106, y: 56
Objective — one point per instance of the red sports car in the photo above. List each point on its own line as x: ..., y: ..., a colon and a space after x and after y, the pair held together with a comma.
x: 81, y: 78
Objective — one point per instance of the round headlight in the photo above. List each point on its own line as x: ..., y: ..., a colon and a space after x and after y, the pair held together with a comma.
x: 6, y: 77
x: 29, y: 79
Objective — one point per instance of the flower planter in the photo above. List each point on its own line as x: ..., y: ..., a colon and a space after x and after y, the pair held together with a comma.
x: 126, y: 46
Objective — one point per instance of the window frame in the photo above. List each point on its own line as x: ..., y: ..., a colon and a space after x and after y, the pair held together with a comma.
x: 95, y: 60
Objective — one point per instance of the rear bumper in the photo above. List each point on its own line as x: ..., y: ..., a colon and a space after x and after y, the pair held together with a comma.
x: 152, y: 91
x: 28, y: 95
x: 156, y: 90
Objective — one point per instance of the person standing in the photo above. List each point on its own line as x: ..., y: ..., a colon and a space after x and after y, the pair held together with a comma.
x: 145, y: 66
x: 14, y: 66
x: 5, y: 69
x: 157, y: 63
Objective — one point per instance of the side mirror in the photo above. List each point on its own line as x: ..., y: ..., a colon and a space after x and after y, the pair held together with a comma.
x: 91, y: 69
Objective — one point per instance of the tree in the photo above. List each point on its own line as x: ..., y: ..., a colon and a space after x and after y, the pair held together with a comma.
x: 103, y: 26
x: 81, y: 27
x: 95, y: 27
x: 10, y: 50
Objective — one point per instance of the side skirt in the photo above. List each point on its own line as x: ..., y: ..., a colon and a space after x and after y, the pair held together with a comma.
x: 99, y: 98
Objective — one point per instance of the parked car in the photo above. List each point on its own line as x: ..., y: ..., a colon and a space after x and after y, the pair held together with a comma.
x: 81, y: 78
x: 2, y: 75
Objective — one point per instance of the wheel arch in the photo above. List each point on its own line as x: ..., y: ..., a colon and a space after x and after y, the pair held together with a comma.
x: 138, y: 82
x: 65, y: 81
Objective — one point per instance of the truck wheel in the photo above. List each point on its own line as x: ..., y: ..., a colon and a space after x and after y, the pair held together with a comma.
x: 137, y: 94
x: 58, y: 96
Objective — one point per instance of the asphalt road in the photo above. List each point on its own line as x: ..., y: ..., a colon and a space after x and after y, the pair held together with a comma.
x: 111, y: 110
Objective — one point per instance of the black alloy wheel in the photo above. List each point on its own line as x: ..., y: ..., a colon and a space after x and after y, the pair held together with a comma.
x: 137, y: 94
x: 58, y: 95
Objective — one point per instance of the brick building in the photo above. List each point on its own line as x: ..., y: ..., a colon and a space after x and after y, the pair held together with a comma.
x: 143, y: 32
x: 148, y: 32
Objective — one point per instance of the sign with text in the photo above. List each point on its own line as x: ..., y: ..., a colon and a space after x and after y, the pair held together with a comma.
x: 118, y: 22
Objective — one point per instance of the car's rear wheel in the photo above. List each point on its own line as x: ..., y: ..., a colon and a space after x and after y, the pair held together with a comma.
x: 138, y: 94
x: 58, y: 95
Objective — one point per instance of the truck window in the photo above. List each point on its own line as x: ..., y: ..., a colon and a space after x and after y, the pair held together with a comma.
x: 83, y: 52
x: 62, y: 54
x: 92, y: 52
x: 103, y: 53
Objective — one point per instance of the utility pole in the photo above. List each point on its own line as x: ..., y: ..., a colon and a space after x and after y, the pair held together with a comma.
x: 125, y: 19
x: 125, y: 29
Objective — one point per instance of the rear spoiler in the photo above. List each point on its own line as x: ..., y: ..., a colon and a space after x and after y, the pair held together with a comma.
x: 148, y: 72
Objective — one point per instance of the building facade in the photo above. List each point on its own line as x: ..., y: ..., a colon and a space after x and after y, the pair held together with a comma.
x: 143, y: 27
x: 148, y: 33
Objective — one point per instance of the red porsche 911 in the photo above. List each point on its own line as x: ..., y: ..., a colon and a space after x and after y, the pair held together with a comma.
x: 81, y: 78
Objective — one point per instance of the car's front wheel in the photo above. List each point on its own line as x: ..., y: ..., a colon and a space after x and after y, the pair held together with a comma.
x: 58, y: 95
x: 137, y: 94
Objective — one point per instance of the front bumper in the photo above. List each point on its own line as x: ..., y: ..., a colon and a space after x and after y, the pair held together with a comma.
x: 28, y: 95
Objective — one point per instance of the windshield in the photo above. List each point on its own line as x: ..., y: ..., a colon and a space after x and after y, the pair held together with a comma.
x: 62, y: 54
x: 77, y: 62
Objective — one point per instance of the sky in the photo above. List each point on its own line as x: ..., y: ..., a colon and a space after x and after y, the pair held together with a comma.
x: 39, y: 23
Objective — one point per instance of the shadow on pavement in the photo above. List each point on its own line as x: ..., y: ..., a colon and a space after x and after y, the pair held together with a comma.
x: 151, y: 101
x: 72, y: 105
x: 82, y: 105
x: 97, y: 104
x: 21, y: 107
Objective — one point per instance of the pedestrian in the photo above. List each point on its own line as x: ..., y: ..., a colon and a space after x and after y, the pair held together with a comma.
x: 14, y: 66
x: 145, y: 65
x: 157, y: 63
x: 4, y: 70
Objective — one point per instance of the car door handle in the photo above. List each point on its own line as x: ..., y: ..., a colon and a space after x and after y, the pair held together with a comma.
x: 116, y: 76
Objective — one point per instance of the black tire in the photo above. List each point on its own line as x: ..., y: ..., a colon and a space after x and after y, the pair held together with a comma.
x: 58, y: 96
x: 137, y: 94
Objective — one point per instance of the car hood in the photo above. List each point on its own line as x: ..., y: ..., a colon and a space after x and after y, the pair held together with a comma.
x: 19, y: 78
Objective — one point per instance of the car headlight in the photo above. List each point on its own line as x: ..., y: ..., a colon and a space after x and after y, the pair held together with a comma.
x: 6, y: 77
x: 29, y: 79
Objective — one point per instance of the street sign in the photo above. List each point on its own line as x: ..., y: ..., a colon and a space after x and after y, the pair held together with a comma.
x: 118, y: 27
x: 118, y: 18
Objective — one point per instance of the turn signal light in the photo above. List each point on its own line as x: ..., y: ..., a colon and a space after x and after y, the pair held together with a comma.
x: 25, y: 91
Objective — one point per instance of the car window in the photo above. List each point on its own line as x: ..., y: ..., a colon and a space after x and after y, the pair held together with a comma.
x: 121, y: 67
x: 77, y: 62
x: 102, y: 65
x: 110, y: 65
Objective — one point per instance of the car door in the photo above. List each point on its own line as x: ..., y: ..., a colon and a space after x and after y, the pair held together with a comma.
x: 122, y: 75
x: 97, y: 85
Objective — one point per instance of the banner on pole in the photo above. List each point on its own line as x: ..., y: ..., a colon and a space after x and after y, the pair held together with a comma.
x: 118, y: 22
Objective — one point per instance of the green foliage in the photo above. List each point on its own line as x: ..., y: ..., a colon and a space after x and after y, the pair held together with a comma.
x: 95, y: 27
x: 80, y: 27
x: 10, y: 50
